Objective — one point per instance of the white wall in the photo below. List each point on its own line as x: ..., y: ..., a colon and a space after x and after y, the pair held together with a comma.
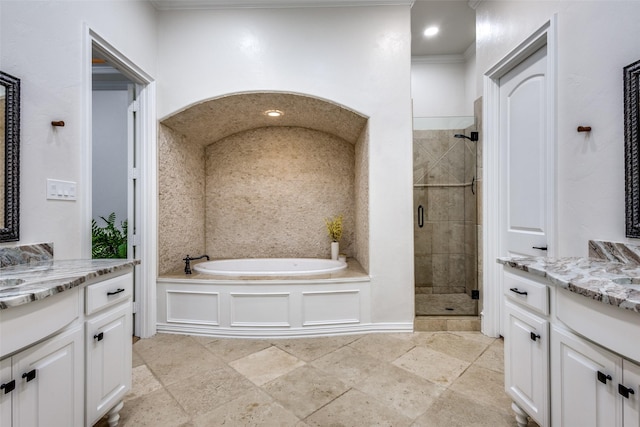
x: 43, y: 44
x: 596, y: 39
x: 358, y: 57
x: 438, y: 87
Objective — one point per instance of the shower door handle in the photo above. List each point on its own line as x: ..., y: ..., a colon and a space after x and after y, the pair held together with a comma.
x: 420, y: 216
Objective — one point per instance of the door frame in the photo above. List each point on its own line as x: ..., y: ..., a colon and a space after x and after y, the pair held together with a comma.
x: 145, y: 290
x: 493, y: 203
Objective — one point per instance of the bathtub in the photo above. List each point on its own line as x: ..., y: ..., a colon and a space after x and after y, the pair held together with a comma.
x: 257, y: 298
x: 253, y: 267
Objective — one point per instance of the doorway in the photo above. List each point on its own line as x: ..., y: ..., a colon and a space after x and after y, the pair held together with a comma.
x: 445, y: 227
x: 121, y: 135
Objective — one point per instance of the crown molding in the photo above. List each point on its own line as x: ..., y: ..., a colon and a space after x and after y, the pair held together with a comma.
x: 438, y: 59
x: 271, y: 4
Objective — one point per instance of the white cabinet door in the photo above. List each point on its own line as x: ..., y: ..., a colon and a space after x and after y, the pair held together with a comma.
x: 108, y: 352
x: 7, y: 384
x: 631, y: 404
x: 527, y: 362
x: 584, y: 382
x: 49, y: 382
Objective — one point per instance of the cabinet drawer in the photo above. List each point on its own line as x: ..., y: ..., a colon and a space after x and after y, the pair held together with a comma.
x: 108, y: 292
x: 527, y: 292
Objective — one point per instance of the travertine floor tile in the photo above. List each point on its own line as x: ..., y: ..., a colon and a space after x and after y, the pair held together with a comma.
x: 266, y: 365
x: 305, y: 390
x: 348, y: 365
x: 229, y: 349
x: 355, y: 408
x: 207, y: 390
x: 157, y: 409
x: 401, y: 390
x: 142, y: 382
x: 309, y: 349
x: 254, y: 408
x: 454, y: 410
x: 456, y: 346
x: 385, y: 347
x: 432, y: 365
x: 493, y: 357
x: 484, y: 386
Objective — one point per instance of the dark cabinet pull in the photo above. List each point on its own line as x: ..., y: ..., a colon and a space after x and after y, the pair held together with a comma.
x: 115, y: 292
x: 534, y: 336
x: 515, y: 290
x: 603, y: 377
x: 8, y: 387
x: 420, y: 216
x: 624, y: 391
x: 540, y: 248
x: 99, y: 337
x: 31, y: 375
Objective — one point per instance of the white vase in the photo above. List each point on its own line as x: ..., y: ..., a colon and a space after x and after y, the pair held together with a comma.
x: 335, y: 249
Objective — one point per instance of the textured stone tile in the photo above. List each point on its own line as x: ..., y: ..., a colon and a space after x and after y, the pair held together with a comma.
x: 385, y: 347
x: 432, y: 365
x: 454, y: 410
x: 136, y: 360
x: 142, y: 382
x: 229, y: 349
x: 348, y: 365
x: 305, y: 390
x: 309, y: 349
x: 493, y: 357
x: 355, y: 408
x: 266, y: 365
x: 157, y: 409
x: 484, y: 386
x: 429, y: 324
x: 254, y: 408
x: 456, y: 346
x: 207, y: 390
x: 464, y: 324
x: 407, y: 393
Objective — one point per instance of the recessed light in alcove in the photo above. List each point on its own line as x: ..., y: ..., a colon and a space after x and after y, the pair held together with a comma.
x: 274, y: 113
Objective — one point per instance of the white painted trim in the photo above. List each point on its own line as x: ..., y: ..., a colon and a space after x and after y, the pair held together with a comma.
x: 439, y: 59
x: 493, y: 246
x: 146, y: 273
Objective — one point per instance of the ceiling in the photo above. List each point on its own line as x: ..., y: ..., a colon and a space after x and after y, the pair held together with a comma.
x: 456, y: 18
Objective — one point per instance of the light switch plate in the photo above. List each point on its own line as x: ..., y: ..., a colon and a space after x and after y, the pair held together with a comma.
x: 61, y: 190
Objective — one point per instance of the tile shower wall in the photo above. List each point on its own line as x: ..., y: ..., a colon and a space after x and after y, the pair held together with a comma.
x: 269, y: 189
x: 181, y: 177
x: 445, y: 247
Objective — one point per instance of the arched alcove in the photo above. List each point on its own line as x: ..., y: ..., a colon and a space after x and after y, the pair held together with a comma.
x: 234, y: 182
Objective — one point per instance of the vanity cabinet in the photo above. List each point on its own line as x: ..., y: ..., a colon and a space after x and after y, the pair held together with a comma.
x: 42, y: 386
x: 593, y: 387
x: 108, y: 333
x: 527, y: 347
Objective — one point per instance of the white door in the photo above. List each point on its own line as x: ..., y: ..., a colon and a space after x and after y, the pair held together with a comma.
x: 524, y: 146
x: 631, y: 401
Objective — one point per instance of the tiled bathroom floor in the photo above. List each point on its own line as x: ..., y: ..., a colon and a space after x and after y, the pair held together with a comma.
x: 410, y: 379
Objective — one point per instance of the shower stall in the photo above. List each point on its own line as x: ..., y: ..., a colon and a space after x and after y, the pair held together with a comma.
x: 445, y: 197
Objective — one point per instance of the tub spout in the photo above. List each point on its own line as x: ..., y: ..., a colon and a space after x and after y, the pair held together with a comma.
x: 187, y: 262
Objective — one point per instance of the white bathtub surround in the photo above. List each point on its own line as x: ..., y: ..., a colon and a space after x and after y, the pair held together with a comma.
x: 268, y: 306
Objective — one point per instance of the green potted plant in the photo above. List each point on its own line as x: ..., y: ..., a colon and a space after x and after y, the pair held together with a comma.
x: 109, y: 241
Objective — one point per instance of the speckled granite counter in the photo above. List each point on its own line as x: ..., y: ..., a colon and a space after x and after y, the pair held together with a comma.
x: 609, y: 282
x: 21, y: 284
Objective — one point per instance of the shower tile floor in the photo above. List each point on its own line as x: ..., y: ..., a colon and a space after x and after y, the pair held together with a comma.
x: 396, y: 379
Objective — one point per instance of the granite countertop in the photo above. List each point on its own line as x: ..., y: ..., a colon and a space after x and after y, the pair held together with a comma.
x: 609, y: 282
x: 21, y: 284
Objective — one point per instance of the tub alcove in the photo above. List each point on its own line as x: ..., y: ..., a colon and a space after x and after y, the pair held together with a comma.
x: 235, y: 182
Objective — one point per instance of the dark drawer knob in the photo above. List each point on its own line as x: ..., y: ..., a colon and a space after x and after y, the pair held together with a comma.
x: 516, y: 291
x: 603, y: 377
x: 534, y: 336
x: 117, y: 291
x: 28, y: 376
x: 624, y: 391
x: 8, y: 387
x: 99, y: 337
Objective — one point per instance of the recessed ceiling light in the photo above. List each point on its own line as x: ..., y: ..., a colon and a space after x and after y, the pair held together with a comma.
x: 431, y: 31
x: 274, y: 113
